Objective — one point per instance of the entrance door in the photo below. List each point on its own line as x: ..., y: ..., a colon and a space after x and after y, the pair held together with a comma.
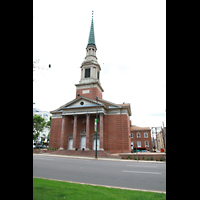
x: 83, y: 142
x: 70, y: 144
x: 94, y: 144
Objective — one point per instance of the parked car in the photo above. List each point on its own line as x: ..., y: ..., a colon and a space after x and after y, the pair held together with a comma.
x: 39, y: 146
x: 34, y: 146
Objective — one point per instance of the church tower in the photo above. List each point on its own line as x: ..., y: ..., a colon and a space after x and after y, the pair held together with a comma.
x: 89, y: 85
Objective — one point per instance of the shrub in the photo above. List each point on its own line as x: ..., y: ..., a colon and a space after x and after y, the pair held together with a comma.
x: 147, y: 158
x: 156, y: 159
x: 151, y: 158
x: 161, y: 158
x: 128, y: 157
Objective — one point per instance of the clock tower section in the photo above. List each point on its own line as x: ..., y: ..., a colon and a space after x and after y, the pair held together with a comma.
x: 89, y: 85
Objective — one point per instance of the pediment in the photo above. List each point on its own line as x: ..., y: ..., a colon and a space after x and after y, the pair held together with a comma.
x: 80, y: 102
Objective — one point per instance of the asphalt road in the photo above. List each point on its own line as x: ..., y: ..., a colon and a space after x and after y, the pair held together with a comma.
x: 136, y: 175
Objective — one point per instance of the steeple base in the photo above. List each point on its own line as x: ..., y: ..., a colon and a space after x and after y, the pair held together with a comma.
x: 90, y: 91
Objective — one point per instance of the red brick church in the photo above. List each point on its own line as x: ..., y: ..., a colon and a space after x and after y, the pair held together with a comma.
x: 73, y: 124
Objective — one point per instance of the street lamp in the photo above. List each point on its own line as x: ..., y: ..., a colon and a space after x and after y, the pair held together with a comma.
x: 96, y: 127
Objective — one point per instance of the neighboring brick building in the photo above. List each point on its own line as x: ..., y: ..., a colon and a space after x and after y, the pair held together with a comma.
x: 72, y: 125
x: 141, y: 137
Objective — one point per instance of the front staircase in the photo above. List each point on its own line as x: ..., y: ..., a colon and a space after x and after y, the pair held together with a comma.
x: 85, y: 153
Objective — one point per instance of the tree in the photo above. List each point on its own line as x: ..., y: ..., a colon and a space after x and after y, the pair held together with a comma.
x: 38, y: 126
x: 48, y: 124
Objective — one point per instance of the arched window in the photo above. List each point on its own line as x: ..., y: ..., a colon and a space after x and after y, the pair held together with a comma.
x: 145, y: 135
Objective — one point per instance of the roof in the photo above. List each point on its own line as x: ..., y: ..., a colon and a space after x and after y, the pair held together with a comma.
x: 75, y: 104
x: 91, y: 40
x: 138, y: 128
x: 124, y: 104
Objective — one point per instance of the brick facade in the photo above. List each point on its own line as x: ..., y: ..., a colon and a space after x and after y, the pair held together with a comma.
x: 115, y: 132
x: 93, y: 92
x: 142, y: 139
x: 54, y: 140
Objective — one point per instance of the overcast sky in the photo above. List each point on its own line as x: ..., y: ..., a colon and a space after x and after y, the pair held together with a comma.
x: 130, y: 37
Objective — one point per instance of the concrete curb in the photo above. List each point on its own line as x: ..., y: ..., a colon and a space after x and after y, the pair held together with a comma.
x: 123, y: 188
x: 91, y: 158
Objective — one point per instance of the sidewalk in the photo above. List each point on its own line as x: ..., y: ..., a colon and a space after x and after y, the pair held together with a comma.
x: 93, y: 158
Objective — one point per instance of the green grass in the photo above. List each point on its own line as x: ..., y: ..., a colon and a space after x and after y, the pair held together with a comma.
x: 49, y: 189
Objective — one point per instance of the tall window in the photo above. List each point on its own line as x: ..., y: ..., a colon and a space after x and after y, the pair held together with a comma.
x: 146, y: 135
x: 139, y: 144
x: 146, y: 143
x: 138, y: 135
x: 98, y: 75
x: 87, y: 73
x: 131, y: 135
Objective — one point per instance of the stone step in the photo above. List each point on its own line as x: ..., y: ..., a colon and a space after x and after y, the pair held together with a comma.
x: 86, y: 153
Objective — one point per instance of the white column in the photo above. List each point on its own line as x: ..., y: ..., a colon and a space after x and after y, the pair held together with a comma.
x: 62, y: 134
x: 87, y: 131
x: 74, y: 132
x: 101, y: 131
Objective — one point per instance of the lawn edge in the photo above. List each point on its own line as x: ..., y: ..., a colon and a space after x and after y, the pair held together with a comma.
x: 107, y: 186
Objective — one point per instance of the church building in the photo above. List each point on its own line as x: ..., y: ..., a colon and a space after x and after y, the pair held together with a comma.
x: 73, y: 124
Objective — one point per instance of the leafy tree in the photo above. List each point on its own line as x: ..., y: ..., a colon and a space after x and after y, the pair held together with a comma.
x: 38, y: 126
x: 48, y: 124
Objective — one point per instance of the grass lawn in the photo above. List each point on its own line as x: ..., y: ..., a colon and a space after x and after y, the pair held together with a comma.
x: 49, y: 189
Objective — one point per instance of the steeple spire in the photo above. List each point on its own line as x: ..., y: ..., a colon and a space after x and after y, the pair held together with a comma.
x: 89, y: 85
x: 91, y: 40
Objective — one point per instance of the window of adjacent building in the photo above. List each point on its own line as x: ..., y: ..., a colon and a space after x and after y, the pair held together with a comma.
x: 131, y: 135
x: 138, y: 135
x: 146, y: 143
x: 146, y: 135
x: 87, y: 73
x: 139, y: 144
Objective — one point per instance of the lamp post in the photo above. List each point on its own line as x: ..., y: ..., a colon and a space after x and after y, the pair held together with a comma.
x: 96, y: 127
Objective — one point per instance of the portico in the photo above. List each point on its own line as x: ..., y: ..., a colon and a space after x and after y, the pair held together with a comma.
x: 78, y: 117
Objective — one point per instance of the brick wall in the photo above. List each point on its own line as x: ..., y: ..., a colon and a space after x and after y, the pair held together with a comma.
x: 56, y: 124
x: 94, y: 92
x: 116, y: 133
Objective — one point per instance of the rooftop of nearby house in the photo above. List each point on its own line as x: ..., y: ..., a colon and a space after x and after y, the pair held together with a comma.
x: 138, y: 128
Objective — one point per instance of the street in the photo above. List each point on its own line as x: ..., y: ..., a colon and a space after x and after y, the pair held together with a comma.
x: 136, y: 175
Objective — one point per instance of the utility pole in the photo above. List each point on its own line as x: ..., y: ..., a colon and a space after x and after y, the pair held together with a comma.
x: 136, y: 145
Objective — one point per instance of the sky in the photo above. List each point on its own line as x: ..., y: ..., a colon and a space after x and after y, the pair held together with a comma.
x: 130, y: 37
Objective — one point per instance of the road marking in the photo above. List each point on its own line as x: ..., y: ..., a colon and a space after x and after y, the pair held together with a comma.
x: 140, y: 166
x: 142, y: 172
